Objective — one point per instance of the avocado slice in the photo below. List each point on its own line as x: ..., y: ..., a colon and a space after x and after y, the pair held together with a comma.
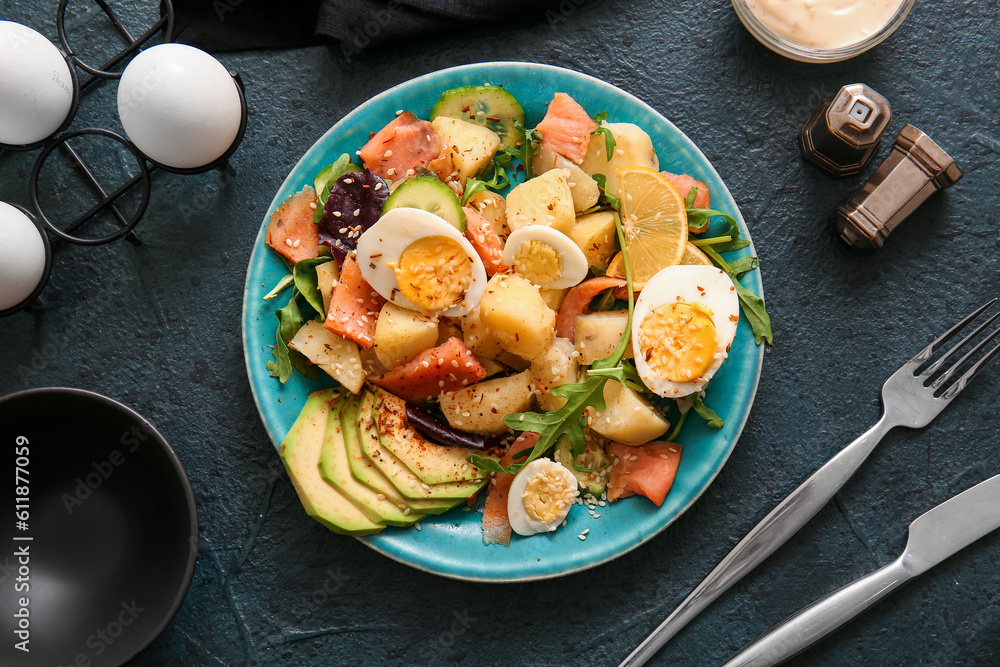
x: 430, y: 462
x: 334, y: 468
x: 372, y: 446
x: 366, y: 473
x: 300, y: 452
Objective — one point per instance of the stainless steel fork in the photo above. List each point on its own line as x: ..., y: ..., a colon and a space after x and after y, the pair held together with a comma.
x: 911, y: 397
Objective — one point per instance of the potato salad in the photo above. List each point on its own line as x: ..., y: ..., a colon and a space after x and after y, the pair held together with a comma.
x: 527, y: 315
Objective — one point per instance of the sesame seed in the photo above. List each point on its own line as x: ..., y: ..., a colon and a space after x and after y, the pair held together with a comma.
x: 388, y: 153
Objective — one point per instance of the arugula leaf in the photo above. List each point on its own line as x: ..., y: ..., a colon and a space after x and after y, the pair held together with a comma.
x: 751, y: 304
x: 672, y: 436
x: 699, y: 217
x: 743, y: 265
x: 307, y: 283
x: 326, y: 178
x: 625, y: 373
x: 570, y: 419
x: 689, y: 199
x: 609, y: 139
x: 279, y: 288
x: 472, y: 186
x: 289, y: 322
x: 602, y: 183
x: 705, y: 412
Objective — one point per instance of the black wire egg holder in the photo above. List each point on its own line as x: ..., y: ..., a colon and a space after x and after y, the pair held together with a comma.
x: 61, y: 137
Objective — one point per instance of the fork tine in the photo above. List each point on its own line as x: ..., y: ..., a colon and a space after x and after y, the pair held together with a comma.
x: 936, y: 366
x: 943, y: 339
x: 966, y: 357
x: 961, y: 383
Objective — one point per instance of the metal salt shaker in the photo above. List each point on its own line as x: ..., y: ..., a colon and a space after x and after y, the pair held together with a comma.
x: 843, y: 135
x: 914, y: 170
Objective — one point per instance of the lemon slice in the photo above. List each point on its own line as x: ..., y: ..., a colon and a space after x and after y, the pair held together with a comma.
x: 694, y: 256
x: 655, y: 221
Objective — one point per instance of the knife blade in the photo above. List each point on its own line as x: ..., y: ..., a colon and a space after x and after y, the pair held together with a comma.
x: 933, y: 537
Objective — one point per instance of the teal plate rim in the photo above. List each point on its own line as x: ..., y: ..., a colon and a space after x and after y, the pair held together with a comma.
x: 451, y: 545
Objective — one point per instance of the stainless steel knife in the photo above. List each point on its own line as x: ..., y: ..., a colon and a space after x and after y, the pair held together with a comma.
x: 934, y: 536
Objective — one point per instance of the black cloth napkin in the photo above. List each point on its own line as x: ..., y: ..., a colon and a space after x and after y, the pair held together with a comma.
x: 231, y: 25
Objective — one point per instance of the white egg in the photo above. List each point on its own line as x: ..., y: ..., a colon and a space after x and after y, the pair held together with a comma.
x: 668, y: 346
x: 380, y: 249
x: 36, y: 86
x: 22, y: 257
x: 551, y: 259
x: 179, y: 106
x: 540, y: 497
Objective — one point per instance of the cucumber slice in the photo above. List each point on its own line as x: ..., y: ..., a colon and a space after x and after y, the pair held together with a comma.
x: 594, y: 459
x: 430, y: 194
x: 489, y: 106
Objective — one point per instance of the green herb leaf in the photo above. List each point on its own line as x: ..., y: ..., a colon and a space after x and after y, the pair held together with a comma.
x: 326, y: 178
x: 609, y: 139
x: 699, y: 217
x: 689, y: 199
x: 742, y: 265
x: 307, y: 282
x: 602, y: 183
x: 279, y: 288
x: 625, y: 373
x: 487, y: 464
x: 751, y: 304
x: 705, y: 412
x: 472, y: 186
x: 676, y: 431
x: 289, y: 322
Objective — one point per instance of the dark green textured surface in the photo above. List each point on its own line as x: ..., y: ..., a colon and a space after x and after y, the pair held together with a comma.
x: 158, y: 327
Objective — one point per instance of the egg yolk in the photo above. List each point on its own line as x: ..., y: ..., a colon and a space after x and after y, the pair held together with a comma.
x: 538, y: 262
x: 677, y: 340
x: 547, y: 497
x: 434, y: 272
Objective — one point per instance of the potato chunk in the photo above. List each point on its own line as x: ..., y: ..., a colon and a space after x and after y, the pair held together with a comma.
x: 595, y: 234
x: 339, y: 358
x: 401, y: 334
x: 471, y: 146
x: 478, y: 338
x: 628, y: 418
x: 633, y: 148
x: 514, y: 312
x: 556, y: 367
x: 583, y: 188
x: 493, y: 207
x: 544, y: 200
x: 597, y: 335
x: 481, y: 407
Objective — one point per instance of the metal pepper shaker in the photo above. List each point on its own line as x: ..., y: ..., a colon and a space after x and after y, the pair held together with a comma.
x: 843, y: 134
x: 915, y: 169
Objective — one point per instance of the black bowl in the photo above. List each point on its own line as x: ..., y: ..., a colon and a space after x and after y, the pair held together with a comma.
x: 100, y: 535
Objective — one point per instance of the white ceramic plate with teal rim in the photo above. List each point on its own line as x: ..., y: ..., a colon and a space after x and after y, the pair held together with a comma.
x: 451, y: 545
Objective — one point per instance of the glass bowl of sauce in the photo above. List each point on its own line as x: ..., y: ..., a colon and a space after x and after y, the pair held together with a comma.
x: 821, y: 31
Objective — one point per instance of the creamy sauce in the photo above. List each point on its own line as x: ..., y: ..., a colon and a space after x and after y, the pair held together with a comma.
x: 824, y: 24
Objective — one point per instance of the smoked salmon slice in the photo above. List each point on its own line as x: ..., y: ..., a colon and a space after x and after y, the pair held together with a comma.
x: 496, y: 522
x: 684, y: 183
x: 401, y: 147
x: 354, y: 306
x: 291, y: 230
x: 648, y: 470
x: 447, y: 367
x: 566, y: 128
x: 577, y: 302
x: 484, y: 239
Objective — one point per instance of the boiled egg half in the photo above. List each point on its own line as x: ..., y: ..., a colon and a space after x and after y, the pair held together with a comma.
x: 540, y: 497
x: 685, y: 320
x: 545, y: 257
x: 417, y: 260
